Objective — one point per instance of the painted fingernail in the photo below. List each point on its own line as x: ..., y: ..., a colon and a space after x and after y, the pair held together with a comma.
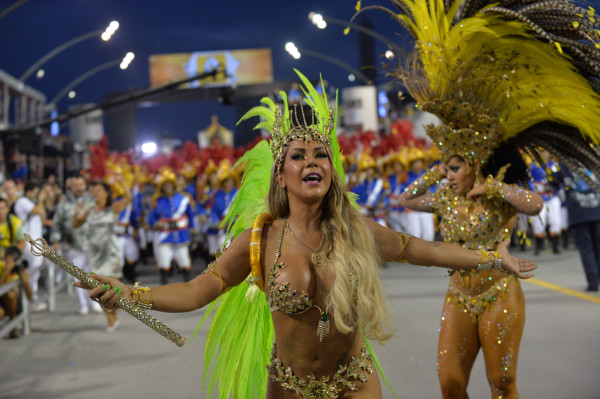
x: 72, y: 282
x: 106, y: 287
x: 118, y: 290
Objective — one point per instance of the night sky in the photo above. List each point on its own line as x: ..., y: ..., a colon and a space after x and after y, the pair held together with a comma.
x: 158, y: 26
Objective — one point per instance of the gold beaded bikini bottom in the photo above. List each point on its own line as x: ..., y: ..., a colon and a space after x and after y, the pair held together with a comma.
x: 475, y: 305
x: 345, y: 378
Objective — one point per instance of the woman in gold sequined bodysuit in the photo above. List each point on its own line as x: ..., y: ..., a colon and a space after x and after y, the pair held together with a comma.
x: 484, y: 309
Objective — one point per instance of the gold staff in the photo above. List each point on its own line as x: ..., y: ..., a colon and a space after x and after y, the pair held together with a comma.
x: 40, y: 247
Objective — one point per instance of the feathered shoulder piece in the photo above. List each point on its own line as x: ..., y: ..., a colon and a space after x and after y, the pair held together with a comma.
x: 527, y: 71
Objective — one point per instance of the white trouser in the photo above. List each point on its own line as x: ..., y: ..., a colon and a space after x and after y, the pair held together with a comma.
x: 549, y: 216
x: 34, y: 268
x: 397, y: 221
x: 564, y: 218
x: 128, y: 249
x: 179, y: 252
x: 143, y: 237
x: 420, y: 225
x: 215, y: 241
x: 79, y: 258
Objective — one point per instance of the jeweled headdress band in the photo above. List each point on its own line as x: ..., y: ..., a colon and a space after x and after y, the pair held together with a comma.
x: 475, y: 137
x: 299, y: 127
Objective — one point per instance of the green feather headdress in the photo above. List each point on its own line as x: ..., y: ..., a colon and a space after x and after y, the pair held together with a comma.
x: 522, y: 71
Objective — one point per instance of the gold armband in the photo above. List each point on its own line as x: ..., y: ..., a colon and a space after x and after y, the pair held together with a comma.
x: 404, y: 240
x: 224, y: 286
x: 141, y: 296
x: 489, y: 260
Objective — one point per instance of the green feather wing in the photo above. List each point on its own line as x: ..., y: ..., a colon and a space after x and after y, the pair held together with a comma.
x: 241, y: 332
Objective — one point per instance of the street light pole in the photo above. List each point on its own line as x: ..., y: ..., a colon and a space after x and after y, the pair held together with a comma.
x: 316, y: 18
x: 91, y: 73
x: 296, y: 53
x: 70, y: 43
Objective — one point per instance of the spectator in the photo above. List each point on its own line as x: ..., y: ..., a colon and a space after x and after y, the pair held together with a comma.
x: 103, y: 248
x: 73, y: 242
x: 583, y: 207
x: 30, y: 209
x: 10, y: 192
x: 12, y: 268
x: 11, y: 227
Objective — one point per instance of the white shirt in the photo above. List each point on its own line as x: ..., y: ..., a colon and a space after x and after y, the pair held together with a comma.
x: 32, y: 224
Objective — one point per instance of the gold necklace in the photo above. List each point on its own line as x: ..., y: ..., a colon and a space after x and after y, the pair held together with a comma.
x: 317, y: 257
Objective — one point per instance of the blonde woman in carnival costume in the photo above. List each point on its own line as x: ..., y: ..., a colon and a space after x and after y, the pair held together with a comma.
x: 301, y: 270
x: 504, y: 76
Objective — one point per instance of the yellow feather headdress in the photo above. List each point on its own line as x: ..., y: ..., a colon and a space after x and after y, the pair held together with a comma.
x: 523, y: 71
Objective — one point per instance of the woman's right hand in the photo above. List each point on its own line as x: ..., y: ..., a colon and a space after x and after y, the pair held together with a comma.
x: 441, y: 167
x: 107, y: 293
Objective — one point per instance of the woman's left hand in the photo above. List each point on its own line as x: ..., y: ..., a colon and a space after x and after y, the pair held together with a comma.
x: 517, y: 266
x: 477, y: 190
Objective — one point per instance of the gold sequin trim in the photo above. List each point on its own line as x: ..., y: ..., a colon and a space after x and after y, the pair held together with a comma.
x: 346, y: 377
x: 475, y: 305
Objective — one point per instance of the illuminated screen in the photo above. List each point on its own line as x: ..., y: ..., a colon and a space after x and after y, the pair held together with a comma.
x: 252, y: 66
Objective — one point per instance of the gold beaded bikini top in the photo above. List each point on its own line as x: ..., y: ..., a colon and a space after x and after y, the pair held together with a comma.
x: 477, y: 227
x: 281, y: 296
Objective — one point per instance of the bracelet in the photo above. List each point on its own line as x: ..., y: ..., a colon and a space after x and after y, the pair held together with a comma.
x: 489, y: 260
x: 136, y: 296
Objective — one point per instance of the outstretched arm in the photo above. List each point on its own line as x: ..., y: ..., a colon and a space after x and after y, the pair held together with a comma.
x: 401, y: 247
x: 417, y: 196
x: 229, y: 270
x: 522, y: 200
x: 420, y: 186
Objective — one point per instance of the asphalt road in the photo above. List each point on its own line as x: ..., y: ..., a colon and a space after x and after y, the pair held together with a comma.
x: 71, y: 356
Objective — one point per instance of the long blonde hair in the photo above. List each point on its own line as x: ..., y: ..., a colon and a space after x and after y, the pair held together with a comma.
x: 356, y: 297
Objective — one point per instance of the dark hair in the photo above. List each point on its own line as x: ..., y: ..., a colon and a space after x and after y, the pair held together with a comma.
x: 2, y: 199
x: 30, y: 185
x: 12, y: 251
x: 507, y: 153
x: 106, y: 188
x: 302, y: 115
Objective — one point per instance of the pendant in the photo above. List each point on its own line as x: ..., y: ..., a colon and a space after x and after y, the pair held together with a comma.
x: 318, y: 259
x: 323, y: 327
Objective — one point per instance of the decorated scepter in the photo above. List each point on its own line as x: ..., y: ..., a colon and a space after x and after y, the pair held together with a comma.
x: 40, y: 247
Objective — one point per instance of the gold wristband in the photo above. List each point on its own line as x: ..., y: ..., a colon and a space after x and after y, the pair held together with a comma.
x: 136, y: 296
x: 489, y: 260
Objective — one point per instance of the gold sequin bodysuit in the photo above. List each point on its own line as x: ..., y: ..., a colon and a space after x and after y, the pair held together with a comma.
x: 481, y: 223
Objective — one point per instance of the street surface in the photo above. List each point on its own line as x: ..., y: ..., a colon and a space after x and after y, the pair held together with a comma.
x: 68, y: 356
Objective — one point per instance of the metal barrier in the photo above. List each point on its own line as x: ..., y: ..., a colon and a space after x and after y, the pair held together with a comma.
x: 22, y: 317
x: 52, y: 287
x: 49, y: 274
